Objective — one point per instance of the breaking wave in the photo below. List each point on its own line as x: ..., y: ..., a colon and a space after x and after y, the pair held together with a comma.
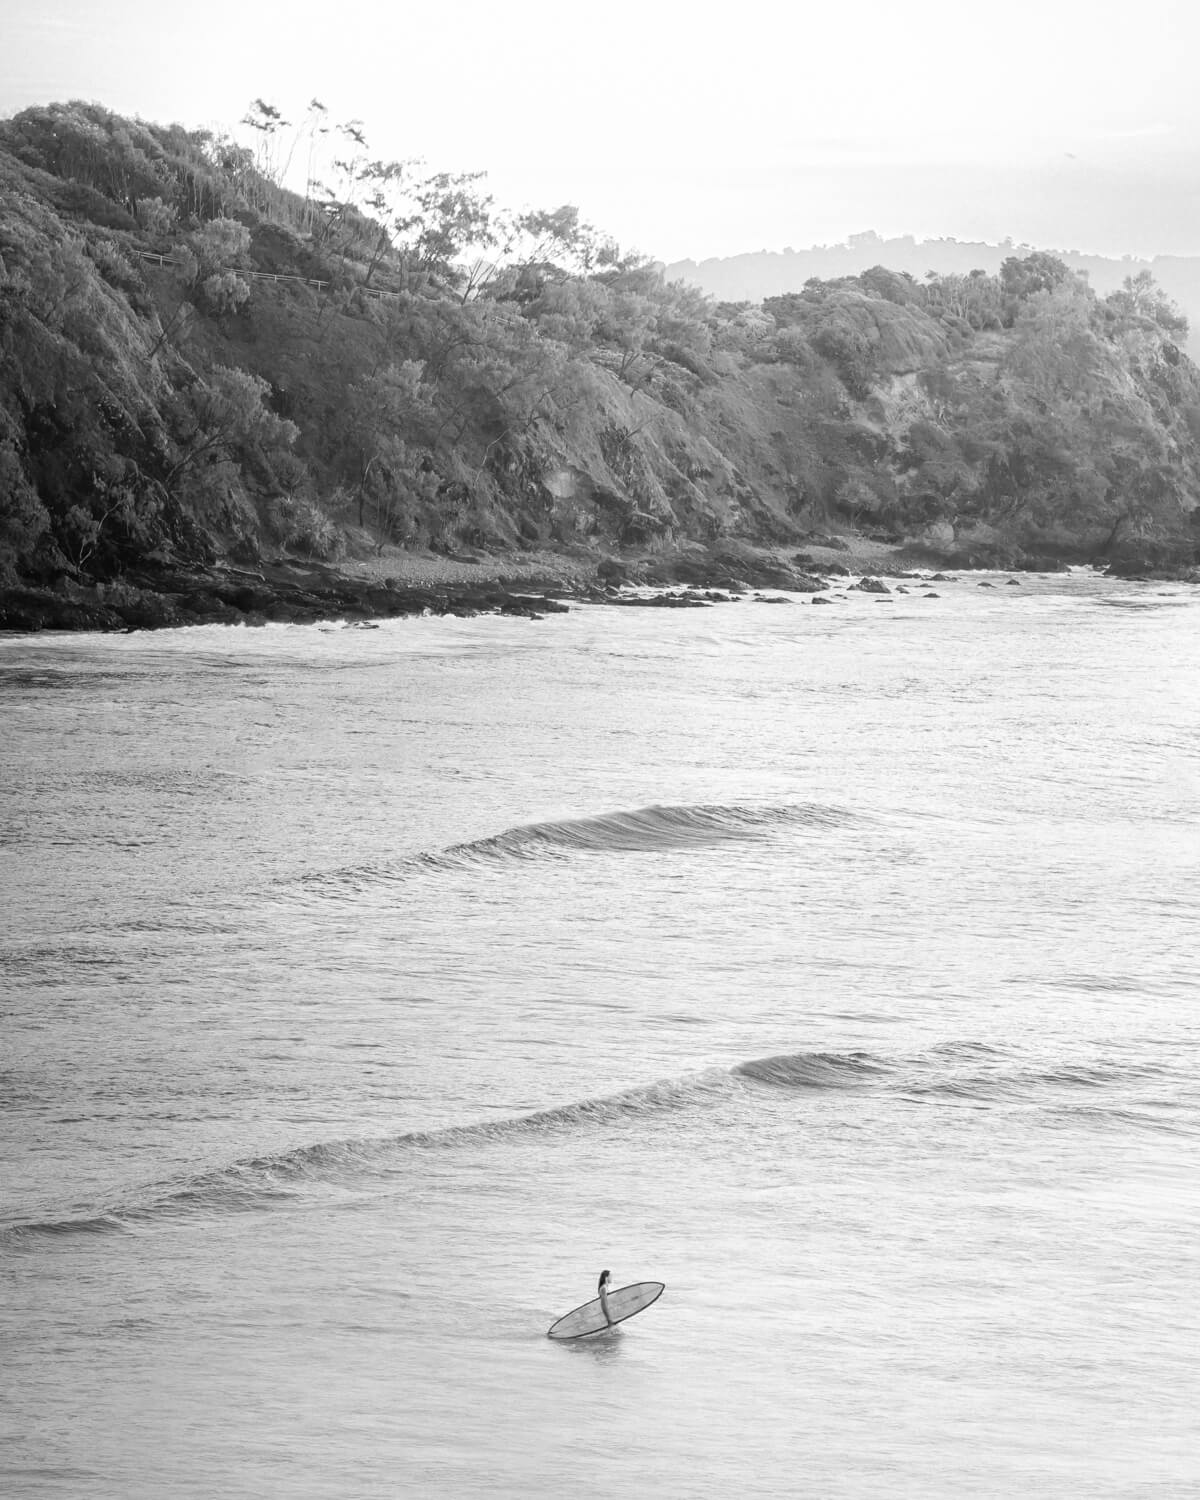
x: 644, y: 830
x: 648, y: 828
x: 291, y: 1178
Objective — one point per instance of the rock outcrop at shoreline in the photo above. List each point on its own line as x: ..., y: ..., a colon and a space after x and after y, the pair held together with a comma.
x: 398, y: 584
x: 296, y: 593
x: 284, y: 593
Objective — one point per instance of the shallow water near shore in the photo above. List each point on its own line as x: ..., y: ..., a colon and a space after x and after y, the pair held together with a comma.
x: 366, y: 992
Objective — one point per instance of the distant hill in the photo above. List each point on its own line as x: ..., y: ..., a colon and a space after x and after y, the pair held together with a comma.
x: 772, y: 273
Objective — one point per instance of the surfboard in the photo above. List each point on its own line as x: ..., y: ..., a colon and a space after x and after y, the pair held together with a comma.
x: 622, y: 1304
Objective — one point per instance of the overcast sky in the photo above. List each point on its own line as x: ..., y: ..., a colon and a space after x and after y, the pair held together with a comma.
x: 687, y: 131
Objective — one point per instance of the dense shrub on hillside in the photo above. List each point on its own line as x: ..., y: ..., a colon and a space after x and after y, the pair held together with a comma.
x: 462, y: 376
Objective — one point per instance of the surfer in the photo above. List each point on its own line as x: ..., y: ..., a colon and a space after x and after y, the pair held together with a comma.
x: 606, y: 1311
x: 603, y: 1290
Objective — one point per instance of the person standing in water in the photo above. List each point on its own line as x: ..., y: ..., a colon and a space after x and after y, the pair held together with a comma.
x: 603, y: 1290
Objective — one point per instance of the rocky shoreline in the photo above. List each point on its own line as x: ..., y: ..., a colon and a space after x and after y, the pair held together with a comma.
x: 398, y: 583
x: 288, y: 593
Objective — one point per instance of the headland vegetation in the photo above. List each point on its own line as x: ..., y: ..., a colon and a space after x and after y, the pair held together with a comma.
x: 222, y: 398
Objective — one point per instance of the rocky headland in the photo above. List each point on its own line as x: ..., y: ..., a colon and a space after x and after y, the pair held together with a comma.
x: 222, y: 402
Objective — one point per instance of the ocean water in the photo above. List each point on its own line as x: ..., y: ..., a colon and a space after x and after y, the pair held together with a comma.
x: 365, y: 992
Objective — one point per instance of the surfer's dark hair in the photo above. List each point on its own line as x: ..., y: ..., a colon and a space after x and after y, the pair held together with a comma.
x: 603, y: 1279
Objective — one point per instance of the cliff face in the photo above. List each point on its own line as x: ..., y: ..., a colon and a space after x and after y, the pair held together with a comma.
x: 193, y: 367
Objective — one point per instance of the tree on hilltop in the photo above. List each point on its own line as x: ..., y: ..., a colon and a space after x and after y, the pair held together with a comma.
x: 1022, y: 277
x: 1141, y: 296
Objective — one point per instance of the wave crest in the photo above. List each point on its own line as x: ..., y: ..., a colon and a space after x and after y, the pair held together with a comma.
x: 644, y: 830
x: 287, y: 1177
x: 815, y: 1070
